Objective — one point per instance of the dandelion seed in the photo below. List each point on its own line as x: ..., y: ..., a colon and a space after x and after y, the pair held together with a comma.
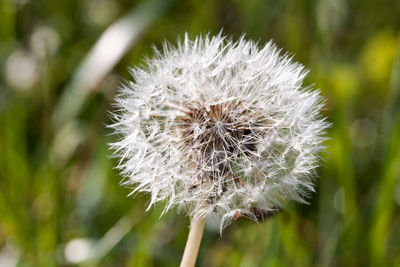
x: 219, y: 127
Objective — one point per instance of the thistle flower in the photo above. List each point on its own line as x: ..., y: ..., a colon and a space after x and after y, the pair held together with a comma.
x: 219, y: 127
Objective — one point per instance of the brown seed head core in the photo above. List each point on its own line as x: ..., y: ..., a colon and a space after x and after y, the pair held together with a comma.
x: 219, y: 128
x: 218, y: 135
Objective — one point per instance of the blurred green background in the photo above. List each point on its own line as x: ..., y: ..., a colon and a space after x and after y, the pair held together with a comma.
x: 61, y: 63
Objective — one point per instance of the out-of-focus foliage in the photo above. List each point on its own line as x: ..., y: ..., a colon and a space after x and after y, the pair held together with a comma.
x: 61, y: 63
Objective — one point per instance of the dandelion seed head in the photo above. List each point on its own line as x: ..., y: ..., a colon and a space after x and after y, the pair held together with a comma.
x: 219, y: 127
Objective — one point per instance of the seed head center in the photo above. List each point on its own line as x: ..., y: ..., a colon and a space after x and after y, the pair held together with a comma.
x: 219, y: 133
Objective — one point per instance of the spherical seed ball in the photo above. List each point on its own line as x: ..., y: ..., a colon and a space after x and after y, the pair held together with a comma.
x: 219, y: 127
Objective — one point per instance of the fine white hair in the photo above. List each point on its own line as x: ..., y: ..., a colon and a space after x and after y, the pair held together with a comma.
x: 219, y: 127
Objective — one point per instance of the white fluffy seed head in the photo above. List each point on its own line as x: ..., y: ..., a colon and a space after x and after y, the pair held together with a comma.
x: 219, y: 127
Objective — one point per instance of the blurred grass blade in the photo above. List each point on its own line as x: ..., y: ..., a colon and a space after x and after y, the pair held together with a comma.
x: 114, y: 236
x: 393, y: 108
x: 385, y: 203
x: 105, y: 54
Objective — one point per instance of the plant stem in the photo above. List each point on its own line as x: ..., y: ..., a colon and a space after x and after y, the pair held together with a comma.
x: 193, y: 242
